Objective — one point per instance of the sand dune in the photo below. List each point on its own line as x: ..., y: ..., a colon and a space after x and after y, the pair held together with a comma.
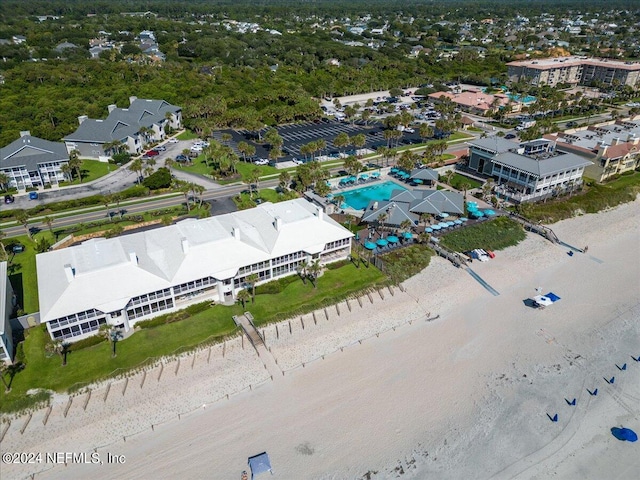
x: 383, y: 390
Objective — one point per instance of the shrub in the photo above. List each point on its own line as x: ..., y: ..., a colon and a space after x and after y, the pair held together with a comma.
x: 197, y: 308
x: 159, y: 179
x: 87, y: 342
x: 120, y: 158
x: 276, y: 286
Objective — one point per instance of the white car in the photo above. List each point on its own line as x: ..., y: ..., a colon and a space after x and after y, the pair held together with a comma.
x: 173, y: 140
x: 261, y: 161
x: 409, y: 130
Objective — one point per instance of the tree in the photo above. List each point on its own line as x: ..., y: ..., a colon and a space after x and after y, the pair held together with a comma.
x: 12, y: 370
x: 58, y: 347
x: 254, y: 179
x: 465, y: 187
x: 341, y: 141
x: 352, y: 165
x: 136, y: 167
x: 425, y: 131
x: 252, y: 280
x: 158, y: 179
x: 4, y: 181
x: 302, y: 270
x: 67, y: 171
x: 314, y: 271
x: 3, y: 248
x: 284, y: 180
x: 487, y: 188
x: 114, y: 335
x: 48, y: 221
x: 246, y: 150
x: 226, y: 138
x: 75, y: 163
x: 407, y: 160
x: 197, y: 191
x: 22, y: 217
x: 396, y: 92
x: 359, y: 141
x: 43, y: 244
x: 243, y: 296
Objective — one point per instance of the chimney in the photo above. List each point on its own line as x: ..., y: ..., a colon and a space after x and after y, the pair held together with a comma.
x: 25, y: 133
x: 82, y: 118
x: 185, y: 245
x: 278, y: 223
x: 319, y: 212
x: 236, y: 233
x: 132, y: 99
x: 70, y: 272
x: 112, y: 107
x: 133, y: 258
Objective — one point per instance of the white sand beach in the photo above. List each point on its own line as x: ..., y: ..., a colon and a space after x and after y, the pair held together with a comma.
x: 384, y: 393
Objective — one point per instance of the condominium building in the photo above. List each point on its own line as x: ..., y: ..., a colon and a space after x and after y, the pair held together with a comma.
x: 7, y: 305
x: 33, y: 162
x: 530, y: 171
x: 574, y: 71
x: 613, y: 147
x: 143, y: 122
x: 124, y: 280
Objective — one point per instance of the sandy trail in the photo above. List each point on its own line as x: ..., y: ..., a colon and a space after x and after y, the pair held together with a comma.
x: 463, y: 396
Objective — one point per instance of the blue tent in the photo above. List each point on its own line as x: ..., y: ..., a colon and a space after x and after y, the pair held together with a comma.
x: 260, y: 464
x: 624, y: 434
x: 552, y: 296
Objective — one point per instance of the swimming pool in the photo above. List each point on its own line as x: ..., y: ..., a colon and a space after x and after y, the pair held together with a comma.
x: 518, y: 98
x: 359, y: 198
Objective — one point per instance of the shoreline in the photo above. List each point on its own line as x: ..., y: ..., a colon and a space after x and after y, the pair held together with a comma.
x: 399, y: 393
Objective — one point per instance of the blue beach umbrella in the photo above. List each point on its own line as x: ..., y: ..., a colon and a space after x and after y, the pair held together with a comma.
x: 450, y: 224
x: 464, y: 219
x: 458, y: 222
x: 393, y: 239
x: 382, y: 242
x: 428, y: 230
x: 394, y: 170
x: 370, y: 245
x: 417, y: 180
x: 436, y: 227
x: 407, y: 235
x: 489, y: 213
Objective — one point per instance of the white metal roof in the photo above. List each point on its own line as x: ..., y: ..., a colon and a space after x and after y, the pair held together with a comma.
x: 108, y: 272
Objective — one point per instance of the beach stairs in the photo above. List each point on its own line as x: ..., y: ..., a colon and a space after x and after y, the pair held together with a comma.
x: 245, y: 322
x: 546, y: 232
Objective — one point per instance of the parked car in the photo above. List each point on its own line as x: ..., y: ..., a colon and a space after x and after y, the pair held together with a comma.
x: 510, y: 136
x: 173, y: 140
x: 33, y: 195
x: 297, y: 161
x: 572, y: 124
x: 261, y: 161
x: 182, y: 158
x: 9, y: 199
x: 152, y: 153
x: 409, y: 130
x: 17, y: 248
x: 161, y: 148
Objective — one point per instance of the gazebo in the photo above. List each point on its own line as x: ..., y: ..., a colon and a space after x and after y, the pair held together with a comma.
x: 427, y: 175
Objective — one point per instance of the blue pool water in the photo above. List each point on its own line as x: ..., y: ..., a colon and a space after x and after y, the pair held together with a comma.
x: 359, y: 198
x: 516, y: 97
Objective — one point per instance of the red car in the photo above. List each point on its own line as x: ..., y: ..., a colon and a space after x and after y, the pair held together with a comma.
x: 152, y: 153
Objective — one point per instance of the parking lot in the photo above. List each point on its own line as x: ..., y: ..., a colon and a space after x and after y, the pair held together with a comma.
x: 295, y: 136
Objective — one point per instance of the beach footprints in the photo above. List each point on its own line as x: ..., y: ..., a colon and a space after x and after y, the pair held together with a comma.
x: 305, y: 449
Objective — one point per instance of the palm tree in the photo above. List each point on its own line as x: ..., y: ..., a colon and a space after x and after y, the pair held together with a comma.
x: 58, y: 347
x: 136, y: 167
x: 226, y: 138
x: 465, y: 187
x: 67, y: 171
x: 243, y: 297
x: 314, y: 271
x: 75, y: 163
x: 22, y: 217
x: 114, y: 335
x: 12, y: 370
x: 197, y: 191
x: 4, y: 180
x: 284, y: 180
x: 487, y: 188
x: 254, y: 179
x: 48, y: 221
x: 252, y: 280
x: 358, y: 141
x: 246, y: 150
x: 302, y: 270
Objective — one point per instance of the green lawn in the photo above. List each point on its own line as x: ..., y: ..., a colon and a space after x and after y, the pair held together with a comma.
x: 457, y: 180
x: 93, y: 363
x: 244, y: 169
x: 91, y: 170
x: 187, y: 135
x: 496, y: 234
x: 244, y: 200
x: 407, y: 262
x: 22, y: 271
x: 594, y: 198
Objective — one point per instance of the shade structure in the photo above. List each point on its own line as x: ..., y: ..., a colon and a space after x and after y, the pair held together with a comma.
x: 472, y: 204
x: 443, y: 224
x: 624, y: 434
x: 375, y: 174
x: 352, y: 179
x: 370, y: 245
x: 259, y: 464
x: 435, y: 227
x: 489, y: 212
x: 364, y: 176
x: 472, y: 208
x: 407, y: 235
x: 404, y: 174
x: 464, y: 219
x: 428, y: 230
x: 382, y: 242
x: 443, y: 215
x: 393, y: 239
x: 458, y: 222
x: 417, y: 180
x: 476, y: 213
x: 393, y: 170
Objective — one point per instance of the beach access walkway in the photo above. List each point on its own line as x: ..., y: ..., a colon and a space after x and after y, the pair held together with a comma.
x: 245, y: 322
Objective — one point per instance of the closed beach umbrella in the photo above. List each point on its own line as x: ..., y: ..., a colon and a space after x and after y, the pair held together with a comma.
x: 392, y: 239
x: 382, y: 242
x: 370, y: 245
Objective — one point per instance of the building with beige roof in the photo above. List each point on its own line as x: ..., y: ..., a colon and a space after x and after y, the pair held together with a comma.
x: 574, y: 71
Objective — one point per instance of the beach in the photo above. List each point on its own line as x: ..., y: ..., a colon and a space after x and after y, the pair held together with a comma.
x: 441, y: 380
